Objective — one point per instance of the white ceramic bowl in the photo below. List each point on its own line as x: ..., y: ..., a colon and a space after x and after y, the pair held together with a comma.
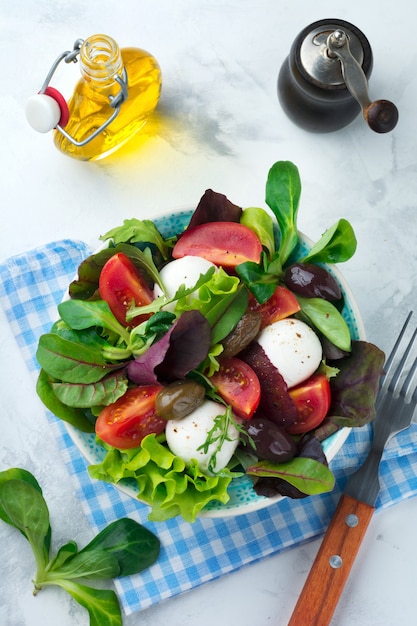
x: 243, y: 498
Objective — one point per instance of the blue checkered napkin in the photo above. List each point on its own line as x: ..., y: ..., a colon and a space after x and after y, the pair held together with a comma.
x: 31, y: 286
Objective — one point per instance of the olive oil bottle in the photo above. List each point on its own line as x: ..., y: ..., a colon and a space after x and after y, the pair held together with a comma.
x: 130, y: 75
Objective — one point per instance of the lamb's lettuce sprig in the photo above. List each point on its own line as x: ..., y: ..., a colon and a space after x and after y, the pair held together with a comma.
x: 337, y: 244
x: 122, y: 548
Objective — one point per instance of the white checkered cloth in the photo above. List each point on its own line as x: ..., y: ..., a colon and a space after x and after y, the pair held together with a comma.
x: 31, y: 286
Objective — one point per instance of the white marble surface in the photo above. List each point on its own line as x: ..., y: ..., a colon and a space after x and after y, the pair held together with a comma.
x: 220, y: 126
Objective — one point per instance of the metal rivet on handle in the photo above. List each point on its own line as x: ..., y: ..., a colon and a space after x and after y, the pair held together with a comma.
x: 351, y: 520
x: 336, y: 561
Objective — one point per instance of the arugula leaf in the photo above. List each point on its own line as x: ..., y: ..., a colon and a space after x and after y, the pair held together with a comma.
x: 283, y: 191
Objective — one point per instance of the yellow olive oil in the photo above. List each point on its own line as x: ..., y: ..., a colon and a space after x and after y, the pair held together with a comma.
x: 103, y: 65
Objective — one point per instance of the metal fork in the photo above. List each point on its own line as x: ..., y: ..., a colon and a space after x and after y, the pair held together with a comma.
x: 395, y: 406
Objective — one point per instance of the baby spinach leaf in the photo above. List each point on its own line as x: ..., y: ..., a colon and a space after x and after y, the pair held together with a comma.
x: 283, y: 191
x: 328, y: 320
x: 103, y: 392
x: 336, y: 245
x: 102, y: 604
x: 67, y: 414
x: 308, y: 475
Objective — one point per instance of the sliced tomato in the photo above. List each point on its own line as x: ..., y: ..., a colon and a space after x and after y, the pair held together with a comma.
x: 238, y: 385
x: 223, y: 243
x: 124, y: 423
x: 280, y: 305
x: 120, y: 284
x: 312, y: 401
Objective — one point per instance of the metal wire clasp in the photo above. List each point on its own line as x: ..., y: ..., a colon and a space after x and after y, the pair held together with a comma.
x: 71, y: 56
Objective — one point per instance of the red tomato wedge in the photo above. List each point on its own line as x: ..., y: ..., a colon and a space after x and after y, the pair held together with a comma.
x: 280, y: 305
x: 120, y: 284
x: 124, y: 423
x: 312, y: 401
x: 238, y: 385
x: 223, y: 243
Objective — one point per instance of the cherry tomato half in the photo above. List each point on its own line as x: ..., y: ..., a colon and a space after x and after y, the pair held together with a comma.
x: 238, y: 385
x: 280, y: 305
x: 312, y: 401
x: 124, y: 423
x: 223, y: 243
x: 120, y: 284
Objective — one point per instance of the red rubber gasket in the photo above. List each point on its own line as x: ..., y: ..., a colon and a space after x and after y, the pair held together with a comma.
x: 62, y: 103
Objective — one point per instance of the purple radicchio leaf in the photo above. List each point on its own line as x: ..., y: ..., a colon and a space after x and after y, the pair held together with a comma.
x: 179, y: 351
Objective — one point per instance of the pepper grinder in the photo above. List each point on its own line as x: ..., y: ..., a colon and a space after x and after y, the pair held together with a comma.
x: 323, y: 83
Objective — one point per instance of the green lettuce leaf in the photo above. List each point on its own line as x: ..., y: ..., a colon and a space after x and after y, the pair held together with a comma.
x: 163, y: 480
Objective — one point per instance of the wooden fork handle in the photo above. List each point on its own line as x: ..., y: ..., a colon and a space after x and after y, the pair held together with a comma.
x: 332, y: 565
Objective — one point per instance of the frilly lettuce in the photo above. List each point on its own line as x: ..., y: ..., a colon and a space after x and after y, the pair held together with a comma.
x: 163, y: 480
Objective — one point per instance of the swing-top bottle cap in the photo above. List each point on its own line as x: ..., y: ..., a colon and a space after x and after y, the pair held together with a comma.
x: 44, y: 111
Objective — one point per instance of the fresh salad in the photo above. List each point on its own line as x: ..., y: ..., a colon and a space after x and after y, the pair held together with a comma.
x: 211, y: 354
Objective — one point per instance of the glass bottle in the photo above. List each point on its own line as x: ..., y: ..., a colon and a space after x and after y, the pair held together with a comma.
x: 104, y: 67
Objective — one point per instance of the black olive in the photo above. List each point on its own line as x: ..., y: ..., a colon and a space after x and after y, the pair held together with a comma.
x: 272, y: 443
x: 312, y: 281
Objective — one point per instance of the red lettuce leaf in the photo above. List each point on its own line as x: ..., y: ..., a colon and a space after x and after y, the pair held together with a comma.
x: 214, y: 207
x: 180, y: 350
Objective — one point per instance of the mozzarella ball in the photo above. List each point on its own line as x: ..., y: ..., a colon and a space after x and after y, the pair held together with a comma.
x: 185, y: 271
x: 185, y: 436
x: 293, y: 347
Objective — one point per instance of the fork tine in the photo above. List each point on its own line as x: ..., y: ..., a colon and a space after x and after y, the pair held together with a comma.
x: 390, y: 360
x: 400, y: 367
x: 409, y: 383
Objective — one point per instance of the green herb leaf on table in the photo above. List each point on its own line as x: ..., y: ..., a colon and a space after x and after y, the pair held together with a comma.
x: 122, y: 548
x: 102, y: 604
